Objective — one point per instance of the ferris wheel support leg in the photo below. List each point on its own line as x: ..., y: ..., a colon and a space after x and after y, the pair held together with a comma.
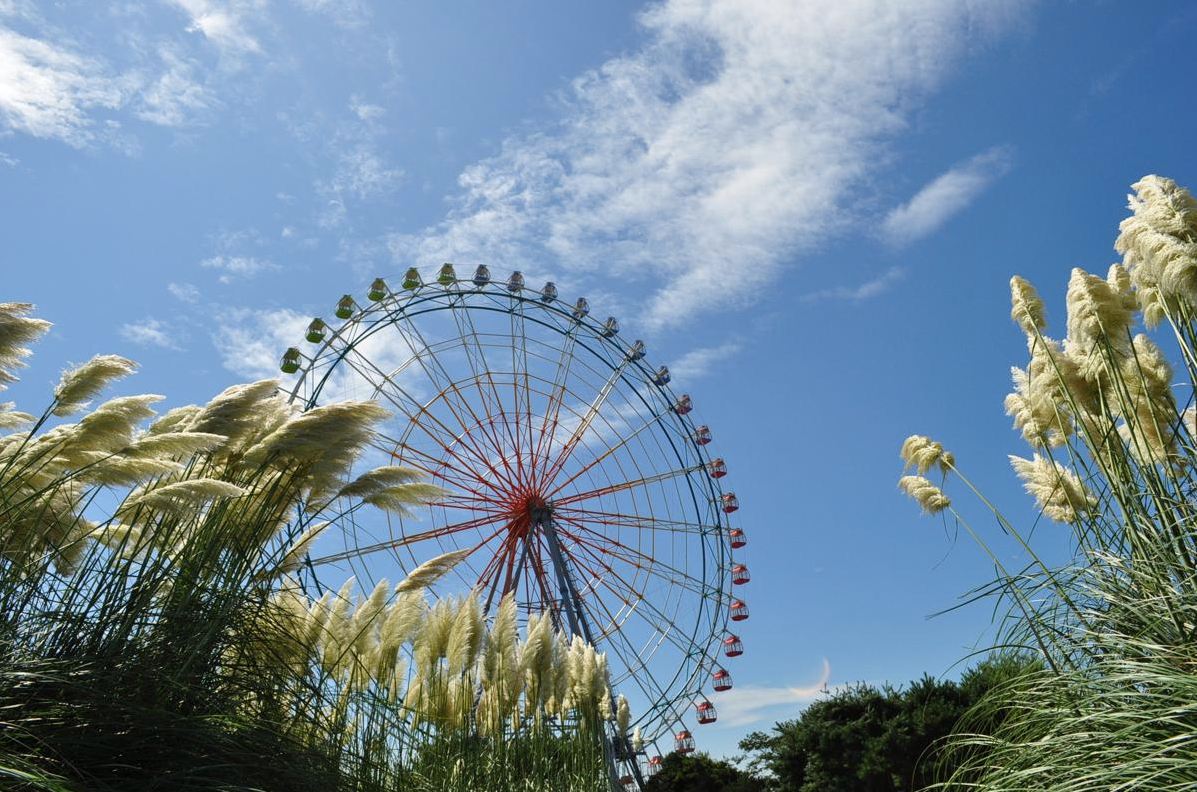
x: 570, y: 602
x: 615, y: 745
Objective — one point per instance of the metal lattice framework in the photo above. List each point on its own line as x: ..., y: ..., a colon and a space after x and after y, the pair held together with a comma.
x: 574, y: 474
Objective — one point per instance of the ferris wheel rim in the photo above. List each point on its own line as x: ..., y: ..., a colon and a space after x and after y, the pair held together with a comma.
x: 398, y: 306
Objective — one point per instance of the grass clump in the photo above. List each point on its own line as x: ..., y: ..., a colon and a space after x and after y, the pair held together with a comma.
x: 1113, y: 459
x: 153, y: 634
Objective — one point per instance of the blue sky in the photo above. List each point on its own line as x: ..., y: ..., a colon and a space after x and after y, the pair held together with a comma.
x: 811, y: 211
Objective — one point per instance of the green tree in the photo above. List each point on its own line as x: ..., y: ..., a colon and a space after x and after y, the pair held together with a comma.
x: 700, y: 773
x: 868, y: 739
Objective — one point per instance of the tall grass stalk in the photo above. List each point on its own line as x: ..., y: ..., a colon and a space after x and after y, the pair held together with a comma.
x: 152, y: 634
x: 1113, y: 461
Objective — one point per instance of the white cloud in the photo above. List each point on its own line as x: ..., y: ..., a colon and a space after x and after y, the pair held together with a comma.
x: 698, y: 362
x: 47, y: 91
x: 867, y: 290
x: 185, y: 292
x: 748, y: 704
x: 174, y: 98
x: 366, y: 111
x: 251, y: 343
x: 149, y: 332
x: 738, y: 136
x: 346, y: 13
x: 238, y: 266
x: 363, y: 174
x: 8, y: 161
x: 225, y: 24
x: 945, y: 196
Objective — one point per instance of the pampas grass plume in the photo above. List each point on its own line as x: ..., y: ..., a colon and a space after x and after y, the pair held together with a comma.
x: 80, y: 385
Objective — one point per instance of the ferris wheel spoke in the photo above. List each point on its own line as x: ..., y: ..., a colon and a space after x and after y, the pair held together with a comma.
x: 505, y: 550
x: 462, y: 478
x: 519, y: 371
x: 608, y: 545
x: 444, y: 384
x: 662, y: 625
x: 516, y: 475
x: 541, y: 575
x: 397, y: 395
x: 587, y: 419
x: 651, y: 566
x: 640, y: 521
x: 608, y: 452
x: 410, y: 539
x: 625, y: 485
x: 548, y: 426
x: 633, y: 661
x: 472, y: 345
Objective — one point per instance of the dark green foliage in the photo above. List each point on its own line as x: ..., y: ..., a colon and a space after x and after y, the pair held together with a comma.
x: 865, y: 739
x: 700, y: 773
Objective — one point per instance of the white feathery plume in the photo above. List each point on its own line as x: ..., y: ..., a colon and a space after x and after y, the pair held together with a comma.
x: 637, y: 740
x: 335, y: 635
x: 233, y: 411
x: 120, y: 538
x: 536, y: 661
x: 379, y: 479
x: 321, y: 431
x: 1060, y: 494
x: 929, y: 496
x: 433, y: 641
x: 303, y: 543
x: 403, y: 620
x: 1152, y: 414
x: 182, y: 496
x: 313, y: 626
x: 923, y: 453
x: 367, y: 619
x: 118, y: 471
x: 110, y: 426
x: 80, y: 385
x: 500, y: 664
x: 1042, y: 403
x: 174, y: 444
x: 174, y: 420
x: 623, y: 714
x: 1119, y: 279
x: 431, y: 570
x: 11, y: 419
x: 397, y: 499
x: 1098, y: 325
x: 1159, y: 246
x: 1026, y: 307
x: 559, y: 702
x: 465, y: 638
x: 16, y: 330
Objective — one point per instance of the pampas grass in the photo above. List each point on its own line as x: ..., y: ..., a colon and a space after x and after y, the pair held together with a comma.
x: 152, y: 634
x: 1115, y: 465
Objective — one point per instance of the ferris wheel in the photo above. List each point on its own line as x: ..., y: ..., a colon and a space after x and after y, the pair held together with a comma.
x: 572, y: 472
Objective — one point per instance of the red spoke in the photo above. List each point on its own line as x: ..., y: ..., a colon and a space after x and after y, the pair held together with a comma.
x: 623, y: 485
x: 403, y: 541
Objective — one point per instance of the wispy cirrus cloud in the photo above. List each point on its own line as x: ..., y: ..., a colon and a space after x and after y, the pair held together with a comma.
x: 867, y: 290
x: 175, y: 97
x: 752, y: 703
x: 235, y: 267
x: 48, y: 90
x: 185, y: 292
x: 945, y: 196
x: 150, y: 332
x: 738, y: 136
x: 699, y: 362
x: 225, y: 23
